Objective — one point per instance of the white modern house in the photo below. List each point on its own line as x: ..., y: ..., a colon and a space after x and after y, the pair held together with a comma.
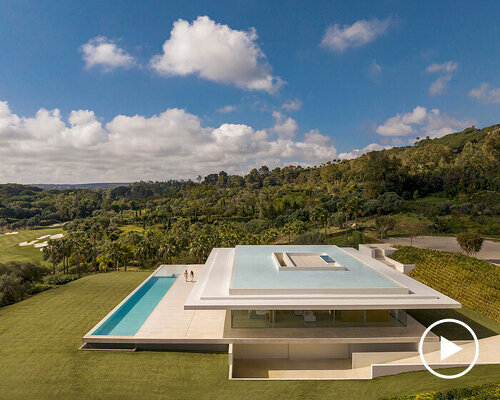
x: 280, y: 311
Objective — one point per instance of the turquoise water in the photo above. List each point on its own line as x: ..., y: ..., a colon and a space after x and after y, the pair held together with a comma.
x: 327, y: 259
x: 128, y: 319
x: 254, y: 267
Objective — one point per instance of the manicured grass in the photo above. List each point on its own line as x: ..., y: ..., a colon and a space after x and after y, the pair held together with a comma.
x: 11, y: 251
x: 39, y: 358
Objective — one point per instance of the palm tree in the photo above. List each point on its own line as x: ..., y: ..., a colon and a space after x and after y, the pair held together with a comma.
x: 52, y: 252
x: 320, y: 214
x: 269, y: 235
x: 94, y: 233
x: 65, y: 248
x: 345, y: 207
x: 168, y: 247
x: 298, y: 227
x: 287, y: 230
x: 113, y: 251
x: 357, y: 207
x: 197, y: 247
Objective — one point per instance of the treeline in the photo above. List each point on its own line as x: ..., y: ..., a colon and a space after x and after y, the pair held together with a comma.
x: 464, y: 165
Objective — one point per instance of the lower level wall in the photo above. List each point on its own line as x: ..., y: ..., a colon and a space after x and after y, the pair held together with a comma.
x: 317, y: 351
x: 312, y: 351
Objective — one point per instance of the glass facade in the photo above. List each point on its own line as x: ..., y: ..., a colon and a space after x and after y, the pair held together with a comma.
x: 317, y: 318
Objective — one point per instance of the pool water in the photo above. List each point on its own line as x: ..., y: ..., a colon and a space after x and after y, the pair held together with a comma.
x: 254, y: 267
x: 327, y: 259
x: 128, y: 319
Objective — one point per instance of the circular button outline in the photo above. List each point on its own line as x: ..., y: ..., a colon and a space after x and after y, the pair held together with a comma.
x: 421, y: 343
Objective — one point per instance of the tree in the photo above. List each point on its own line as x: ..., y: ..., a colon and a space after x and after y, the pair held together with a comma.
x: 52, y: 252
x: 94, y: 233
x: 298, y: 227
x: 357, y: 206
x: 345, y: 206
x: 168, y: 247
x: 384, y: 224
x: 412, y: 228
x: 113, y: 251
x: 287, y: 230
x: 320, y: 214
x: 470, y: 242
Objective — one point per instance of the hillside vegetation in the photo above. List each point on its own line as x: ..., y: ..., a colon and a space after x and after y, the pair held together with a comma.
x: 472, y: 282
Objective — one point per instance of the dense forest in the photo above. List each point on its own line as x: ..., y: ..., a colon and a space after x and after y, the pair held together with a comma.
x: 445, y: 185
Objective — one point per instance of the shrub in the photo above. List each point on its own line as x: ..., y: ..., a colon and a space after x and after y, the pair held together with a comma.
x: 488, y: 391
x: 470, y: 242
x: 310, y: 238
x: 60, y: 279
x: 357, y: 238
x: 18, y: 279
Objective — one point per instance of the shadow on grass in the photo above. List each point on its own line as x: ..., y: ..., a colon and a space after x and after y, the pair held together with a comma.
x: 482, y: 326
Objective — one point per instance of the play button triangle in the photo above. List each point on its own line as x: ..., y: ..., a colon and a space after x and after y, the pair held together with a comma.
x: 448, y: 348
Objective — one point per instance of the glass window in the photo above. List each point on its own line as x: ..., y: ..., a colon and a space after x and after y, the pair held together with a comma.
x: 316, y: 318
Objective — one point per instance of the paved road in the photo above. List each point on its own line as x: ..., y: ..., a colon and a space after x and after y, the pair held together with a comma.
x: 489, y: 252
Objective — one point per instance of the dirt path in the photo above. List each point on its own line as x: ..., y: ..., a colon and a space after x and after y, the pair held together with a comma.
x: 489, y: 252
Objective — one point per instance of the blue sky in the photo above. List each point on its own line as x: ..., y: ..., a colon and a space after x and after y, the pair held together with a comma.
x: 354, y: 74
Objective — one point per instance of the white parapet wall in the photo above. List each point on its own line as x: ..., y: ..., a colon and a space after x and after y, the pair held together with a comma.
x: 382, y: 252
x: 174, y: 269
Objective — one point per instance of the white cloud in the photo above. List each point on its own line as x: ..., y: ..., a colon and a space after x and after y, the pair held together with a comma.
x: 217, y: 53
x: 103, y: 52
x: 484, y: 94
x: 292, y: 105
x: 284, y: 126
x: 402, y: 124
x: 359, y: 152
x: 314, y: 136
x: 446, y: 70
x: 226, y: 109
x: 421, y: 122
x: 339, y: 38
x: 172, y: 144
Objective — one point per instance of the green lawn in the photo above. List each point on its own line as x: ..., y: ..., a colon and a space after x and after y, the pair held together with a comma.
x: 39, y: 358
x: 11, y: 251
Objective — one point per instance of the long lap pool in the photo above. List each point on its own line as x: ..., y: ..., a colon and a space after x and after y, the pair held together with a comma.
x: 128, y: 319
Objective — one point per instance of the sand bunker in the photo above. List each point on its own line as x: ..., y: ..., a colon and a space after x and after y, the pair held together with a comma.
x: 58, y: 236
x: 43, y: 244
x: 42, y: 237
x: 27, y: 243
x: 11, y: 233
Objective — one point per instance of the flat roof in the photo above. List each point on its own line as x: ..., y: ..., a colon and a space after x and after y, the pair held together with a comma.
x: 243, y: 278
x: 255, y: 271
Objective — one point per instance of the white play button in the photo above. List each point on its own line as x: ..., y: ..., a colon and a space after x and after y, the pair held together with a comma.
x: 448, y: 348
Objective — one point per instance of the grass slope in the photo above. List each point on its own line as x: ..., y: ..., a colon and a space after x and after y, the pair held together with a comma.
x: 11, y: 251
x: 39, y: 338
x: 474, y: 283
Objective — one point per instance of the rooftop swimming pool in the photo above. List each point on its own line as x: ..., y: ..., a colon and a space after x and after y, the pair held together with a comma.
x: 132, y: 314
x: 254, y: 267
